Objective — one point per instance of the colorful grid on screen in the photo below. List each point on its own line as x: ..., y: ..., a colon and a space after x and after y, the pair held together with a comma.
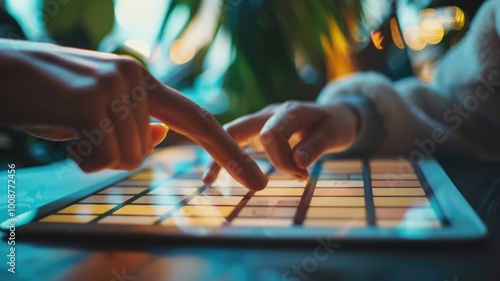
x: 339, y: 194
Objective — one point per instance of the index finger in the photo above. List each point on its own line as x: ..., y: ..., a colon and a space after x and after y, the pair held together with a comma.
x: 242, y: 130
x: 187, y: 118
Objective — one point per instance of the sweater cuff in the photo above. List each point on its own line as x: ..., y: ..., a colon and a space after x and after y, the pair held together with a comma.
x: 371, y: 129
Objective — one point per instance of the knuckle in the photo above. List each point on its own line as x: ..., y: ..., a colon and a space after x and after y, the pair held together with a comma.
x: 268, y: 108
x: 128, y: 65
x: 288, y: 105
x: 132, y: 164
x: 272, y: 105
x: 209, y: 117
x: 136, y: 165
x: 105, y: 157
x: 232, y: 131
x: 233, y: 167
x: 110, y: 161
x: 108, y: 80
x: 289, y: 113
x: 291, y: 110
x: 266, y: 136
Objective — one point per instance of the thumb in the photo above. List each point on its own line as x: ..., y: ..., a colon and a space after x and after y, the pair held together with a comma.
x: 309, y: 150
x: 158, y: 133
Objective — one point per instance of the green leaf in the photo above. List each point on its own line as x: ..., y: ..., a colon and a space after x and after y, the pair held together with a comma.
x: 266, y: 35
x: 193, y: 5
x: 82, y: 23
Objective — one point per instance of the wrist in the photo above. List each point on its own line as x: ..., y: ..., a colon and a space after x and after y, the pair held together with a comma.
x: 347, y: 123
x: 354, y: 115
x: 367, y: 124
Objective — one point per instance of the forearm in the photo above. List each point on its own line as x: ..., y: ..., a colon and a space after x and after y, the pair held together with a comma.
x: 437, y: 123
x: 464, y: 101
x: 457, y: 115
x: 411, y: 118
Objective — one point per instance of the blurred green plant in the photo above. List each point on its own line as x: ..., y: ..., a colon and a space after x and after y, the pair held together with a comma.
x: 79, y: 23
x: 83, y: 24
x: 267, y: 37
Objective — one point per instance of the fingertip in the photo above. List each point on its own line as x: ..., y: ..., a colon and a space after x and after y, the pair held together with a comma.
x: 303, y: 176
x: 251, y: 175
x: 302, y: 158
x: 207, y: 180
x: 159, y: 132
x: 260, y: 184
x: 248, y: 173
x: 211, y: 173
x: 207, y: 177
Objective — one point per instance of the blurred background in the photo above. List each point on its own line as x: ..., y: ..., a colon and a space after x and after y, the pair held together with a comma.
x: 233, y: 57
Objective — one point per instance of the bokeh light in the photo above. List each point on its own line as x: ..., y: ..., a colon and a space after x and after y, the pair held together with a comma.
x: 413, y: 38
x: 139, y: 46
x: 431, y: 26
x: 431, y: 31
x: 182, y: 51
x: 454, y: 18
x: 396, y: 34
x: 377, y: 39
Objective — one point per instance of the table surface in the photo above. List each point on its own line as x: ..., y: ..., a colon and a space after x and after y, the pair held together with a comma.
x: 478, y: 182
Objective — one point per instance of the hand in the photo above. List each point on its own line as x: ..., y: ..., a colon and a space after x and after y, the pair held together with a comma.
x: 294, y: 135
x: 106, y: 101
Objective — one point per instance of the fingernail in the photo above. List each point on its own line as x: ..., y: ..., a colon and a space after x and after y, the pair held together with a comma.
x: 304, y: 158
x: 300, y: 177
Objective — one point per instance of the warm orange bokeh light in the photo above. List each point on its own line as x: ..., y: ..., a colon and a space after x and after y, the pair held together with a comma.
x: 338, y: 59
x: 182, y: 51
x: 414, y: 39
x: 396, y: 34
x: 431, y: 31
x: 377, y: 39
